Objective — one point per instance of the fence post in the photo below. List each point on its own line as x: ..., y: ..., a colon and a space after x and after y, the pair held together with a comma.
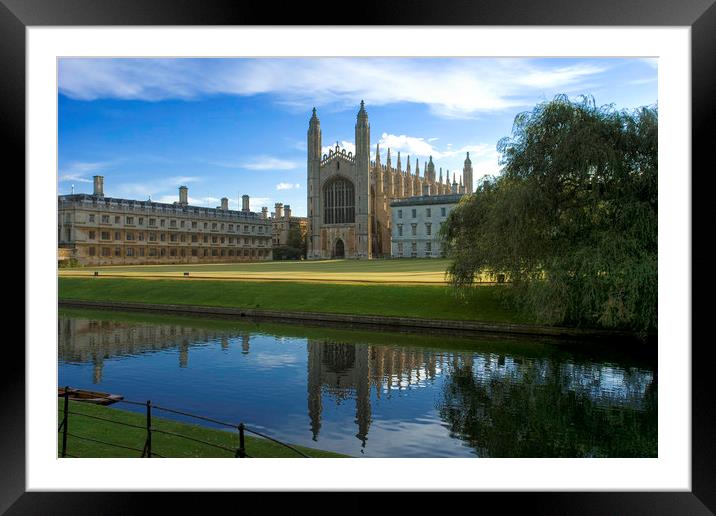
x: 64, y: 421
x: 148, y: 444
x: 241, y: 452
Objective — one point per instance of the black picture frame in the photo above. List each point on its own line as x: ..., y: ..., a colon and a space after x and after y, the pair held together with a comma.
x: 700, y: 15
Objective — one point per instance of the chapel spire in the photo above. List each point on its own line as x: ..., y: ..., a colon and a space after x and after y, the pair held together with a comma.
x: 467, y: 174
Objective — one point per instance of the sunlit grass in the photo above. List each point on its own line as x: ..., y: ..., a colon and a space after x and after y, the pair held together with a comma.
x: 405, y: 271
x: 422, y: 301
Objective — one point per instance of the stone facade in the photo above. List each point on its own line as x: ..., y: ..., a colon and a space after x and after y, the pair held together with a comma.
x: 283, y: 222
x: 349, y: 196
x: 416, y: 225
x: 102, y: 230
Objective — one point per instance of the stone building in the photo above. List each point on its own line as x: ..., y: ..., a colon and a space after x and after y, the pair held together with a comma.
x: 101, y: 230
x: 416, y: 224
x: 349, y: 196
x: 283, y: 222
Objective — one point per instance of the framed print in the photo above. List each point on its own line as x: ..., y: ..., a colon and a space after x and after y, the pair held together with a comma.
x: 184, y: 134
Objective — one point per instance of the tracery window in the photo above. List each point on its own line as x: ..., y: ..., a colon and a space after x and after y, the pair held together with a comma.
x: 339, y: 202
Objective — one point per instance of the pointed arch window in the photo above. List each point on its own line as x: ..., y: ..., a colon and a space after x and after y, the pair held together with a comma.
x: 339, y: 202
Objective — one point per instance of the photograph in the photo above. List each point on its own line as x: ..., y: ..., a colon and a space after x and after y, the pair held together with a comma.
x: 436, y: 255
x: 357, y: 257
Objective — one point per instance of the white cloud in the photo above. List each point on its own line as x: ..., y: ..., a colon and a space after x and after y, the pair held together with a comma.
x: 558, y: 77
x: 155, y: 188
x: 256, y: 203
x: 257, y: 163
x: 343, y: 144
x: 415, y: 146
x: 487, y: 166
x: 209, y: 202
x: 287, y: 186
x: 645, y: 80
x: 78, y: 171
x: 410, y: 145
x: 182, y: 180
x: 458, y: 87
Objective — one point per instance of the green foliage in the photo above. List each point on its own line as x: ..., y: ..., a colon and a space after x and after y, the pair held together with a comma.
x: 68, y: 264
x: 572, y: 219
x: 287, y: 253
x: 295, y: 248
x: 545, y: 416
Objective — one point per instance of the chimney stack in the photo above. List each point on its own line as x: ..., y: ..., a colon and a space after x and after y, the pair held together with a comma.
x: 264, y: 212
x: 279, y: 210
x: 99, y: 186
x: 287, y: 211
x: 245, y: 203
x: 224, y: 204
x: 183, y: 195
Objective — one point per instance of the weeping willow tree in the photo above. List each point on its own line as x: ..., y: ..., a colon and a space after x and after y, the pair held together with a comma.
x: 571, y: 221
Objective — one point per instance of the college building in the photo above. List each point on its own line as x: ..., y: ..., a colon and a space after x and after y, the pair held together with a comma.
x: 98, y: 230
x: 415, y: 232
x: 284, y: 222
x: 350, y: 196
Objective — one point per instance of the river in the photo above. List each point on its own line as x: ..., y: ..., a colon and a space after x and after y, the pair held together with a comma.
x: 375, y: 394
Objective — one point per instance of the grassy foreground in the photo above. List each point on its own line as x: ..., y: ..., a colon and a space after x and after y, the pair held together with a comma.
x: 424, y: 301
x: 408, y: 271
x: 162, y: 444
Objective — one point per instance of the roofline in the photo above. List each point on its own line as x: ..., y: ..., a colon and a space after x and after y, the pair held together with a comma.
x: 99, y: 199
x: 428, y: 199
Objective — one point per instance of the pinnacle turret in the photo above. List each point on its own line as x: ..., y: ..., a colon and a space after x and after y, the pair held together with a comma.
x: 467, y: 174
x: 362, y: 113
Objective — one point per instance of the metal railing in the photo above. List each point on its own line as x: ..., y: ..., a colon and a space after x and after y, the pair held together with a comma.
x: 147, y: 451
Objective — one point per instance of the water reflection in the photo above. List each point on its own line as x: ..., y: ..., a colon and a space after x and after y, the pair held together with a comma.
x: 550, y: 410
x: 414, y: 396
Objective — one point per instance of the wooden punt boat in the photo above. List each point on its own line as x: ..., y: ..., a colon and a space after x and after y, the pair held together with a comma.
x: 99, y: 398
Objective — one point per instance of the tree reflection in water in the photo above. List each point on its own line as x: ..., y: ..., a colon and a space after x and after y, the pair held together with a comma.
x: 540, y: 409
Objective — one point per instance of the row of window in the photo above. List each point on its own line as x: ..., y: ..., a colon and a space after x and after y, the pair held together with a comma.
x: 428, y: 212
x: 414, y: 249
x: 414, y: 229
x: 174, y: 237
x: 131, y: 252
x: 152, y: 222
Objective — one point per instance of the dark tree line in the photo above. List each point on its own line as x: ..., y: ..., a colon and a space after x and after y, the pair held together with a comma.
x: 571, y: 220
x: 296, y: 247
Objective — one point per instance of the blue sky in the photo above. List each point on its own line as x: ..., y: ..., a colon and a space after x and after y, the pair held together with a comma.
x: 228, y: 127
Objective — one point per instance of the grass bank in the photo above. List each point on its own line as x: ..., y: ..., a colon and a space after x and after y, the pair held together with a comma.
x: 162, y: 444
x: 413, y: 271
x: 422, y: 301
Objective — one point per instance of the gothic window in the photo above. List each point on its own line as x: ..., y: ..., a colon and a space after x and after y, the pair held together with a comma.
x: 339, y: 202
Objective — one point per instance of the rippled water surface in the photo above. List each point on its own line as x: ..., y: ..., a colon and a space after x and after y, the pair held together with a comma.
x: 373, y: 394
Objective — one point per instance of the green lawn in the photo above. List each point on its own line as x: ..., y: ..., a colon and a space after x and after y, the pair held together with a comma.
x: 162, y: 444
x: 404, y: 271
x: 423, y: 301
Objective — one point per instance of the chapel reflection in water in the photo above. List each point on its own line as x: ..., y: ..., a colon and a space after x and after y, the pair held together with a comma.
x: 483, y: 395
